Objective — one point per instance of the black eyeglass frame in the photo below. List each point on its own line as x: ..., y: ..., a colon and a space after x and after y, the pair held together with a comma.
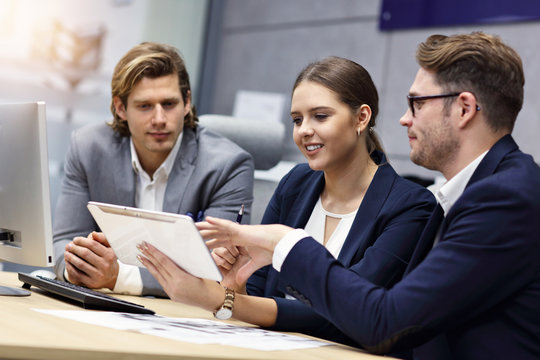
x: 412, y: 99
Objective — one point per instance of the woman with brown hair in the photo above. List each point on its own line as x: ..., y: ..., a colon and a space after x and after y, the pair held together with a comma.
x: 347, y: 197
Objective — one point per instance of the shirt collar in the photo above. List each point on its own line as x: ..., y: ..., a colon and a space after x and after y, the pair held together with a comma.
x: 166, y: 166
x: 448, y: 194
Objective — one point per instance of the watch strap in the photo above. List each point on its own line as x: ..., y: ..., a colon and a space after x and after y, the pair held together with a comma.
x: 228, y: 302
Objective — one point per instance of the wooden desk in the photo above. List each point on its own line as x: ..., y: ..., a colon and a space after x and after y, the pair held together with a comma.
x: 27, y: 334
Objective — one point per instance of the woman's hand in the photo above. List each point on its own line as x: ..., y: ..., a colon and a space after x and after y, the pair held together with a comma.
x: 229, y: 261
x: 178, y: 284
x: 258, y: 242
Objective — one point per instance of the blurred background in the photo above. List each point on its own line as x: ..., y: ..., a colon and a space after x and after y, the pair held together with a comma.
x: 243, y: 57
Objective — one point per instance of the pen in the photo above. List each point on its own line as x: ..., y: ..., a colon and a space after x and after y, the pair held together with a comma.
x: 200, y: 216
x: 240, y: 214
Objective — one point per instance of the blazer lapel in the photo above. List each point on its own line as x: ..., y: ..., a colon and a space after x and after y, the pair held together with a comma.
x: 489, y: 163
x: 487, y: 166
x: 124, y: 175
x: 358, y: 239
x: 425, y: 243
x: 181, y: 172
x: 298, y: 216
x: 302, y: 207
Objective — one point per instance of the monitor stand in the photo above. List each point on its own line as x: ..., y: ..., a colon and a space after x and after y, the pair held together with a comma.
x: 11, y: 291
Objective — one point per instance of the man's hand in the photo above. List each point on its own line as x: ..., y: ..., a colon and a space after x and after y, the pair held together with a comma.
x: 91, y: 262
x: 229, y: 261
x: 258, y: 241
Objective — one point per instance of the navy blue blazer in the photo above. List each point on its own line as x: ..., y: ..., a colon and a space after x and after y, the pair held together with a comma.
x: 477, y: 291
x: 379, y: 245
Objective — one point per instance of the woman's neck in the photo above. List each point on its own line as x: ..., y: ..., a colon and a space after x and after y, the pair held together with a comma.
x: 345, y: 188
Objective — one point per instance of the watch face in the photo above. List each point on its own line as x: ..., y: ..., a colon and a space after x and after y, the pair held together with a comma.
x: 223, y: 313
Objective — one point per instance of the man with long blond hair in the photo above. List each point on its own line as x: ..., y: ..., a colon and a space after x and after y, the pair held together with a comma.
x: 153, y: 155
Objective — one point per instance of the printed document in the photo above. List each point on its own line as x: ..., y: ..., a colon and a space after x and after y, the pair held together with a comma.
x: 200, y: 331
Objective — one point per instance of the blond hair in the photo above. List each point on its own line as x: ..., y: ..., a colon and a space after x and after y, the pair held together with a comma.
x: 152, y: 60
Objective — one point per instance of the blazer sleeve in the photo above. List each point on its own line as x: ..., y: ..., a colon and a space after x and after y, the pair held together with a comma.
x: 383, y: 263
x: 71, y: 216
x: 470, y: 271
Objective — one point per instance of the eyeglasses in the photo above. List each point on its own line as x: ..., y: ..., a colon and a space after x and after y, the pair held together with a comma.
x: 412, y: 99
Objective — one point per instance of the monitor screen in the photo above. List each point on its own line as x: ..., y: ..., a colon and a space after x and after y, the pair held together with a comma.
x: 25, y: 212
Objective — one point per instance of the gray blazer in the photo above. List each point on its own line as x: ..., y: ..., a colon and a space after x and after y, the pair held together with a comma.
x: 210, y: 174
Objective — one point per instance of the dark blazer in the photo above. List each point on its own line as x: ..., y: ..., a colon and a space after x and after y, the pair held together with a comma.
x: 478, y: 289
x: 210, y: 174
x: 378, y: 247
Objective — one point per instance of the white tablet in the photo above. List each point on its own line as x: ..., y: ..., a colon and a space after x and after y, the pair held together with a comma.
x: 173, y: 234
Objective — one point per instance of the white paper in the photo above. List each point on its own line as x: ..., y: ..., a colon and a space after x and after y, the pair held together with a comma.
x: 199, y: 331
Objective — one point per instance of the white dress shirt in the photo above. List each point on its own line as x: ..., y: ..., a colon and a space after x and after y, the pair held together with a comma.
x: 149, y: 195
x: 447, y: 195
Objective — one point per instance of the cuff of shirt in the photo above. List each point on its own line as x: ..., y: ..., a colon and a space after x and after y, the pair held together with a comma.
x: 285, y: 245
x: 129, y: 280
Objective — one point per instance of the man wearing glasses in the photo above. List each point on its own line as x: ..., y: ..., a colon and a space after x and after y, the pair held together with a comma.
x: 472, y: 287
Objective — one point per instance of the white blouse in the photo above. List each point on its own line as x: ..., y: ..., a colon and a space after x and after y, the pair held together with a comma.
x: 316, y: 223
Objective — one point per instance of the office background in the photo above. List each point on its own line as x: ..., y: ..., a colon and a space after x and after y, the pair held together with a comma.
x: 64, y: 51
x: 264, y: 44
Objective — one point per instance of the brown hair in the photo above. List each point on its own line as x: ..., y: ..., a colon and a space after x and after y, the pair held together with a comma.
x: 352, y: 84
x: 152, y: 60
x: 481, y: 64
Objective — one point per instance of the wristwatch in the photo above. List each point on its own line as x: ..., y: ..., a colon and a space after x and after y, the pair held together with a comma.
x: 225, y: 311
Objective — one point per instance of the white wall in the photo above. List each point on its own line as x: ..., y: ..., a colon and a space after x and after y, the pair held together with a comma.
x: 26, y: 76
x: 25, y: 27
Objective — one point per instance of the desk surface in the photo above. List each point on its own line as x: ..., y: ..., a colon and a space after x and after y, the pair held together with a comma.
x: 27, y: 334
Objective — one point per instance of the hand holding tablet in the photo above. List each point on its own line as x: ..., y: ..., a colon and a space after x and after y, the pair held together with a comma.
x: 172, y: 234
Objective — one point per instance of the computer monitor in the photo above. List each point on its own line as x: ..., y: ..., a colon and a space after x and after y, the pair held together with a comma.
x: 25, y: 212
